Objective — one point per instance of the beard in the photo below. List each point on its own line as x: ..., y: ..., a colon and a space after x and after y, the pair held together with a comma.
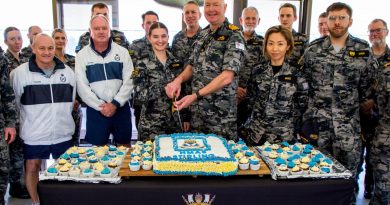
x: 378, y: 42
x: 249, y: 29
x: 339, y: 32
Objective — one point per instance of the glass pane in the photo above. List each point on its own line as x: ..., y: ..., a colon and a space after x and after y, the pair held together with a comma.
x: 269, y: 13
x: 363, y: 13
x: 19, y: 13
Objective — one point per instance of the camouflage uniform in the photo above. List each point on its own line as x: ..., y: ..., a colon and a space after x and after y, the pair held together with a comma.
x: 279, y: 100
x: 138, y: 48
x: 27, y: 52
x: 117, y: 36
x: 76, y: 114
x: 301, y: 41
x: 151, y: 76
x: 338, y: 83
x: 15, y: 148
x: 1, y: 51
x: 380, y: 152
x: 8, y: 116
x: 253, y: 56
x: 182, y: 48
x: 214, y: 52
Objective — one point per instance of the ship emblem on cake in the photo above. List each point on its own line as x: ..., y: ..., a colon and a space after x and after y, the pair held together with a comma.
x: 198, y: 199
x: 191, y: 143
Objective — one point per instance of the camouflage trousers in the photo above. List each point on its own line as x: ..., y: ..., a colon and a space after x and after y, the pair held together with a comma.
x: 16, y: 160
x: 77, y: 117
x: 211, y: 121
x: 4, y: 166
x: 157, y: 118
x: 380, y: 158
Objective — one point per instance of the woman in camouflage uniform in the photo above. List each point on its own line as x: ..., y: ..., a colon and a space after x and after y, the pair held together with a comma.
x: 278, y: 91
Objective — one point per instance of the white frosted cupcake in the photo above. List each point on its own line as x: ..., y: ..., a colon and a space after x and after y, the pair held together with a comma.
x: 314, y: 170
x: 305, y: 168
x: 146, y: 165
x: 64, y: 171
x: 74, y: 172
x: 134, y: 165
x: 283, y: 170
x: 296, y: 170
x: 84, y: 165
x: 244, y: 163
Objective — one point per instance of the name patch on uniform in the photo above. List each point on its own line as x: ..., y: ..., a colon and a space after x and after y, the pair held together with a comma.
x: 240, y: 46
x: 135, y: 72
x: 298, y: 42
x: 220, y: 38
x: 176, y: 65
x: 386, y: 65
x: 358, y: 53
x: 286, y: 78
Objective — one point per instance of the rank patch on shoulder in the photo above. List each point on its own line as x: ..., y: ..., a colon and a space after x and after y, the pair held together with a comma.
x: 135, y: 72
x: 220, y: 38
x: 386, y: 65
x: 358, y: 53
x: 233, y: 27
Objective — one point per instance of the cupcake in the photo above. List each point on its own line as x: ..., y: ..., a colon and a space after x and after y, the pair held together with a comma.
x: 88, y: 173
x: 279, y: 151
x: 231, y: 142
x: 146, y: 154
x: 62, y: 161
x: 290, y: 165
x: 81, y: 152
x: 111, y: 155
x: 309, y: 146
x: 147, y: 165
x: 296, y: 170
x: 51, y: 171
x: 266, y: 151
x: 273, y: 155
x: 65, y: 156
x: 314, y: 170
x: 68, y: 165
x: 249, y: 153
x: 305, y: 168
x: 329, y: 161
x: 254, y: 163
x: 112, y: 148
x: 244, y: 163
x: 284, y: 156
x: 296, y: 149
x: 106, y: 172
x: 326, y: 170
x: 64, y: 171
x: 148, y: 149
x: 284, y: 144
x: 244, y: 148
x: 74, y: 172
x: 305, y: 160
x: 239, y: 155
x: 74, y: 155
x: 100, y: 153
x: 286, y: 149
x: 319, y: 156
x: 84, y: 165
x: 112, y: 164
x: 98, y: 168
x: 105, y: 160
x: 274, y: 146
x: 149, y: 142
x: 122, y: 148
x: 282, y: 170
x: 279, y: 161
x: 297, y: 161
x: 82, y: 159
x: 74, y: 162
x: 92, y: 159
x: 120, y: 154
x: 134, y: 165
x: 138, y: 158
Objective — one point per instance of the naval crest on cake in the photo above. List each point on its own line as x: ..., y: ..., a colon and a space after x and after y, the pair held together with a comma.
x: 194, y: 154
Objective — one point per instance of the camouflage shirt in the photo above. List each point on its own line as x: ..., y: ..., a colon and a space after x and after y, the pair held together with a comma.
x: 27, y: 52
x: 8, y: 114
x: 253, y: 56
x: 151, y: 76
x: 70, y: 61
x: 338, y: 83
x: 214, y: 52
x: 182, y: 46
x: 301, y: 42
x: 117, y: 36
x: 13, y: 62
x: 279, y: 101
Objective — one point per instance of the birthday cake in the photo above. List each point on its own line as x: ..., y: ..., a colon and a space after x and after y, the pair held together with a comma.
x: 193, y: 154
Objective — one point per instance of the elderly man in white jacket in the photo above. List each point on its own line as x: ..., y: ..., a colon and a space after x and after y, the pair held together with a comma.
x: 103, y: 70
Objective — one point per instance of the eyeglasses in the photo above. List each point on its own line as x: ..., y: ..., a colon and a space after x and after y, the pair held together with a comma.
x: 376, y: 31
x: 341, y: 18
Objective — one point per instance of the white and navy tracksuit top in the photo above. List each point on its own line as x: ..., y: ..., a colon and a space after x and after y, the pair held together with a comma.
x: 104, y: 77
x: 45, y: 102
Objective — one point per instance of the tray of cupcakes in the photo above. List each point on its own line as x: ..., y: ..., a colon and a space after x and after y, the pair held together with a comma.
x: 87, y: 164
x: 300, y: 161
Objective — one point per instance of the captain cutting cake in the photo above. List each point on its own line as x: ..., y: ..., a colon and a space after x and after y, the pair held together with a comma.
x: 193, y: 154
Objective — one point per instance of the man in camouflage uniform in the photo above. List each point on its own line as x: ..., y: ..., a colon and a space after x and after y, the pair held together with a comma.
x: 32, y: 32
x: 117, y: 36
x: 8, y: 116
x: 14, y: 41
x: 322, y: 26
x: 380, y: 150
x: 213, y: 66
x: 287, y: 16
x: 339, y: 70
x: 249, y: 20
x: 141, y: 47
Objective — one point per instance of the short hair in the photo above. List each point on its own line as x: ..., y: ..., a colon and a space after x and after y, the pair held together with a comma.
x: 191, y: 2
x: 39, y: 35
x: 251, y: 8
x: 9, y: 29
x: 58, y: 30
x: 99, y: 5
x: 337, y: 6
x: 288, y: 5
x: 322, y: 15
x: 156, y: 25
x: 149, y: 13
x: 31, y: 27
x: 285, y: 33
x: 97, y: 16
x: 379, y: 20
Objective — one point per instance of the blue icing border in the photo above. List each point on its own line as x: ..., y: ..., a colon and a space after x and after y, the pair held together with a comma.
x: 197, y: 173
x: 191, y: 136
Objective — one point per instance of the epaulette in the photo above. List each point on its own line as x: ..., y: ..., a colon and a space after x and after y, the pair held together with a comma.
x: 318, y: 40
x: 233, y: 27
x: 137, y: 40
x: 260, y: 36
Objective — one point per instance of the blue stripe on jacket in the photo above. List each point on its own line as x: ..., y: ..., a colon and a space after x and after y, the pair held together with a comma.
x: 95, y: 72
x: 40, y: 94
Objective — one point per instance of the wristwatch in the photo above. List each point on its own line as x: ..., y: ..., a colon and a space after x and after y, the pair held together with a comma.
x: 198, y: 96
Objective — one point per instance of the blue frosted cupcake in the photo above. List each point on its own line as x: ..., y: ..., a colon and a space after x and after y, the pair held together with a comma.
x: 134, y: 165
x: 249, y: 153
x: 51, y: 171
x: 254, y: 163
x: 88, y: 172
x: 106, y: 173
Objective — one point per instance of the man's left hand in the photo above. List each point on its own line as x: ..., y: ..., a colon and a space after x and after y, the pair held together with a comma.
x: 367, y: 106
x: 108, y: 109
x: 185, y: 101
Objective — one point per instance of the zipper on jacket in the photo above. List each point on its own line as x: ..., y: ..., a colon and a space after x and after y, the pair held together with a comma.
x: 52, y: 100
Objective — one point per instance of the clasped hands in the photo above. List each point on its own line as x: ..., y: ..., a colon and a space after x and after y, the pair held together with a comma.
x: 173, y: 89
x: 107, y: 109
